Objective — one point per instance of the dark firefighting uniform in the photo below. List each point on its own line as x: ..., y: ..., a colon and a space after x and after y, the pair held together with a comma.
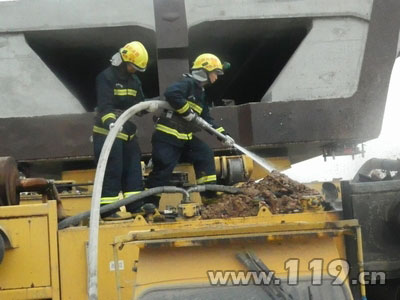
x: 173, y: 140
x: 117, y: 90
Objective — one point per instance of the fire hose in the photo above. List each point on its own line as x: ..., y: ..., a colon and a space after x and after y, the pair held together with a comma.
x: 98, y: 183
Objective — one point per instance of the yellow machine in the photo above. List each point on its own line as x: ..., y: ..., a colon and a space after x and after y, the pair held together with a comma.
x: 308, y: 78
x: 178, y: 259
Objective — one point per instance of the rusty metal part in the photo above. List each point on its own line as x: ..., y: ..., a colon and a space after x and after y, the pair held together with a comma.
x: 11, y: 186
x: 45, y: 187
x: 60, y: 209
x: 39, y: 185
x: 8, y: 181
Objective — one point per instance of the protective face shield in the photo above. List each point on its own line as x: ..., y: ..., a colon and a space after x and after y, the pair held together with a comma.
x: 116, y: 59
x: 200, y: 75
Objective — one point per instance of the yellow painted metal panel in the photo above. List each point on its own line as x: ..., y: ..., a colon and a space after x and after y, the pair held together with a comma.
x: 79, y: 176
x: 23, y: 210
x: 27, y: 265
x: 72, y: 248
x: 180, y: 266
x: 73, y: 270
x: 73, y: 263
x: 27, y: 294
x: 73, y: 204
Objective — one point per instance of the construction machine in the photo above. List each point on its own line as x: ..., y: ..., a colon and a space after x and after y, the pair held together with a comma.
x: 307, y: 78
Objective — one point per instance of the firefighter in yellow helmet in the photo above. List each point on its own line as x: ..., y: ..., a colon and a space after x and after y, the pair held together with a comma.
x: 118, y: 88
x: 174, y: 140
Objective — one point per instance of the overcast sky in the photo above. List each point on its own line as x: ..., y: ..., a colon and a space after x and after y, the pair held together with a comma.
x: 386, y: 146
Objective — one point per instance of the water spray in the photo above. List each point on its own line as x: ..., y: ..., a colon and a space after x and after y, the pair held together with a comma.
x: 207, y: 127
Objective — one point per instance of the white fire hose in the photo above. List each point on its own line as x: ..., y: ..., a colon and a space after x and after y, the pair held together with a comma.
x: 98, y: 183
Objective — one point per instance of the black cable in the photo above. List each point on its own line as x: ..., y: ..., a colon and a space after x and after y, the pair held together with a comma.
x: 75, y: 220
x: 214, y: 188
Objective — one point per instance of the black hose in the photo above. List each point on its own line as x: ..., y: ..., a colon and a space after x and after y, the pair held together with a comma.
x: 213, y: 188
x: 75, y: 220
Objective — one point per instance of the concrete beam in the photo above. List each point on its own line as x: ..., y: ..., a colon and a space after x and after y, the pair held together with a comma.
x: 326, y: 65
x: 49, y: 14
x: 199, y: 11
x: 67, y: 14
x: 28, y: 88
x: 398, y: 47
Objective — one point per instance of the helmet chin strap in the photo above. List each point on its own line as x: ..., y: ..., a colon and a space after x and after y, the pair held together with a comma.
x: 200, y: 75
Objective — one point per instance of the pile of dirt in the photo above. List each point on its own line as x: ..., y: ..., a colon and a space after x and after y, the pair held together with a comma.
x: 277, y: 191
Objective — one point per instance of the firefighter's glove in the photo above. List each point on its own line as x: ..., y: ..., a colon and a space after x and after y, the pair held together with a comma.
x: 190, y: 117
x: 112, y: 126
x: 228, y: 141
x: 152, y: 107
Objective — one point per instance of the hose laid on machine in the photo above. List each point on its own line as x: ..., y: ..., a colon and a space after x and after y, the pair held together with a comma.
x: 214, y: 188
x: 75, y: 220
x: 97, y: 187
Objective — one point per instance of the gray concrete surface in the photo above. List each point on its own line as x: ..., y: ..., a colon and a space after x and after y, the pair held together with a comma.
x: 326, y: 65
x: 207, y: 10
x: 288, y: 126
x: 398, y: 47
x: 26, y: 15
x: 27, y: 87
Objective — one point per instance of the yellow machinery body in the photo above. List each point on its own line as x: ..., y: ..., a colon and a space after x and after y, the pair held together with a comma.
x: 138, y: 258
x: 30, y: 268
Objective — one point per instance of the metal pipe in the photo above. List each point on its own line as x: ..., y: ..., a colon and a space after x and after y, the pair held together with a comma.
x: 360, y: 258
x: 75, y: 220
x: 97, y: 187
x: 207, y: 127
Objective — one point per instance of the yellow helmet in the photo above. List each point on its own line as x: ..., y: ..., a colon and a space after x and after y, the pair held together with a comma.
x: 136, y: 54
x: 208, y: 62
